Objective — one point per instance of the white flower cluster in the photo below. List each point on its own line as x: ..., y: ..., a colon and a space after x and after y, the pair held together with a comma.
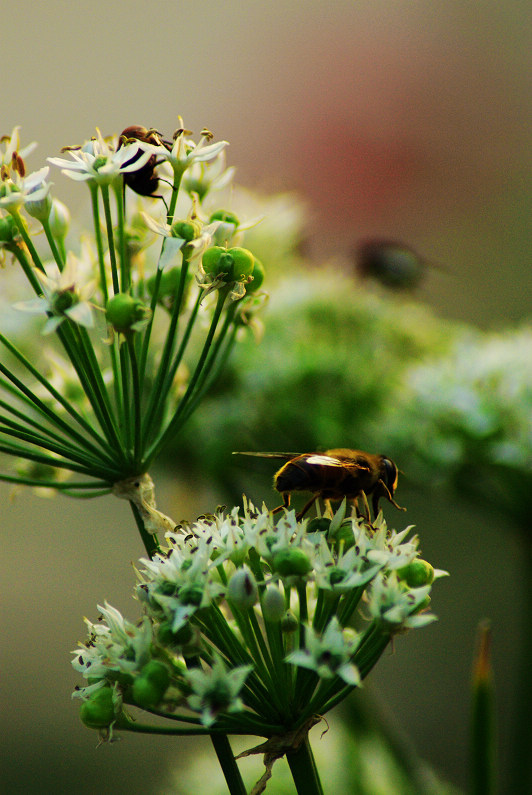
x: 472, y: 404
x: 231, y: 584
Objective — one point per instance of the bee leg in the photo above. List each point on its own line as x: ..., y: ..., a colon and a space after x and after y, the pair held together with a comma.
x: 362, y: 507
x: 286, y: 503
x: 384, y: 492
x: 305, y: 508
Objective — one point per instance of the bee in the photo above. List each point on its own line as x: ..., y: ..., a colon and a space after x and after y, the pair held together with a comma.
x: 392, y: 263
x: 333, y: 475
x: 144, y: 181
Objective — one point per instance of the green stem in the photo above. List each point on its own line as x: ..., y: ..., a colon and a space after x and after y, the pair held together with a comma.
x: 26, y: 395
x: 98, y: 238
x: 483, y: 733
x: 26, y: 267
x: 135, y: 383
x: 110, y: 237
x: 150, y: 541
x: 177, y: 421
x: 521, y: 745
x: 228, y: 764
x: 165, y: 373
x: 29, y: 243
x: 303, y: 769
x: 53, y: 246
x: 125, y: 275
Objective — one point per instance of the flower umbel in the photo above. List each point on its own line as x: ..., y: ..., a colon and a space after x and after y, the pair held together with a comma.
x: 252, y: 641
x: 126, y: 313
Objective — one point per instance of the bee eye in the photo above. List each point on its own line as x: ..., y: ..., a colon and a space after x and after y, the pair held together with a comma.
x: 391, y: 474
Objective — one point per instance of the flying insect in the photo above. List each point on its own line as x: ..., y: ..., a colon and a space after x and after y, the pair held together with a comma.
x: 333, y: 475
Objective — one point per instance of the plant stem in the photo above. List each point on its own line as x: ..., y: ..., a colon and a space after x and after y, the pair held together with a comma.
x: 303, y: 769
x: 520, y: 766
x: 228, y: 764
x: 151, y: 544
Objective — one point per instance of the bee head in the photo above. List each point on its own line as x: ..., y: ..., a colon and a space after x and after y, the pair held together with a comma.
x: 390, y: 474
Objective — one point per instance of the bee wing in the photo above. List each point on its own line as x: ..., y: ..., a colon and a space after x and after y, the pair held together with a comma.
x: 347, y: 463
x: 317, y: 459
x: 281, y: 456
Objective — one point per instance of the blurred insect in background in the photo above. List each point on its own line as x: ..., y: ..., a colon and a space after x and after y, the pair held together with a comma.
x: 333, y: 475
x: 392, y: 263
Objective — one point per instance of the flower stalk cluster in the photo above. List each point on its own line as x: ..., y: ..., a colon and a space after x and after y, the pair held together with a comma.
x: 254, y: 624
x: 143, y: 314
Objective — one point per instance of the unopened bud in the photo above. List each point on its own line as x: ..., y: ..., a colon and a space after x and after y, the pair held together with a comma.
x: 242, y: 590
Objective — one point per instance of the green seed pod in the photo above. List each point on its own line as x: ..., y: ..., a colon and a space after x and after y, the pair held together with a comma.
x: 186, y: 230
x: 417, y: 573
x: 258, y: 276
x: 291, y: 562
x: 211, y: 259
x: 157, y: 672
x: 243, y: 261
x: 146, y: 693
x: 98, y: 711
x: 226, y: 216
x: 123, y: 311
x: 235, y: 263
x: 151, y: 685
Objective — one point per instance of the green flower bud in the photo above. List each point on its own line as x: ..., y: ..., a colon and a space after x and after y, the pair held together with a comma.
x: 273, y: 604
x: 242, y: 590
x: 123, y: 312
x: 59, y: 219
x: 8, y: 229
x: 98, y: 711
x: 258, y: 276
x: 289, y: 622
x: 417, y: 573
x: 191, y: 595
x: 168, y: 638
x: 64, y: 300
x: 39, y: 209
x: 291, y: 562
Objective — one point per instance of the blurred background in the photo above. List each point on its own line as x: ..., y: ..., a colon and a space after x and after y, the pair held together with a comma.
x: 397, y: 119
